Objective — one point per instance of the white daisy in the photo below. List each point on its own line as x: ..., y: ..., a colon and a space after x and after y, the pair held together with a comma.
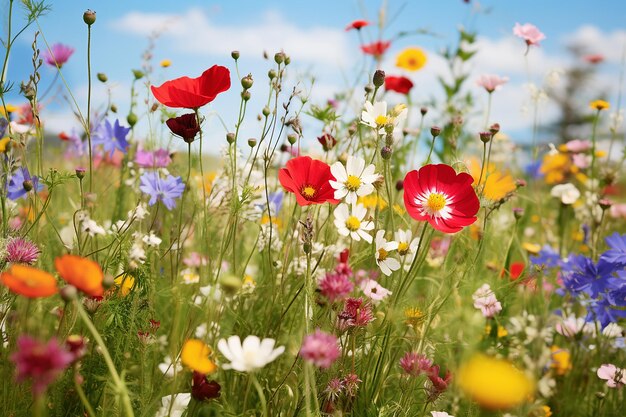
x: 386, y: 264
x: 376, y: 292
x: 174, y: 405
x: 407, y: 247
x: 250, y: 355
x: 375, y: 115
x: 353, y: 225
x: 354, y: 180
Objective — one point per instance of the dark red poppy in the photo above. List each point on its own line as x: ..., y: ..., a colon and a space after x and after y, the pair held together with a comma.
x: 357, y: 24
x: 203, y: 390
x: 377, y: 49
x: 400, y: 84
x: 594, y: 58
x: 192, y: 93
x: 328, y: 141
x: 185, y: 126
x: 440, y: 196
x: 308, y: 179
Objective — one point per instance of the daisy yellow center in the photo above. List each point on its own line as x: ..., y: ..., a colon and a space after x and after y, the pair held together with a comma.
x: 381, y: 119
x: 353, y: 183
x: 436, y: 202
x: 308, y: 191
x: 382, y: 254
x: 403, y: 248
x: 353, y: 224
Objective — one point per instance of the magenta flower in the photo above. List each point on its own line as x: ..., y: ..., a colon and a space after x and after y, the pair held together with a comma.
x: 615, y: 377
x: 356, y: 313
x: 159, y: 158
x: 491, y: 82
x: 529, y: 33
x: 320, y: 348
x: 335, y: 287
x: 415, y: 364
x: 42, y: 362
x: 20, y: 250
x: 58, y: 55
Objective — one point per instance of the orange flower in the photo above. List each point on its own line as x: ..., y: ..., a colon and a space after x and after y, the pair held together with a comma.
x: 195, y: 355
x: 84, y: 274
x: 29, y: 282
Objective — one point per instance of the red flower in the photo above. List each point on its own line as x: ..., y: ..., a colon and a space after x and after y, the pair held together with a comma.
x: 308, y: 179
x: 515, y: 270
x: 192, y: 93
x: 377, y: 48
x: 400, y: 84
x: 440, y: 196
x: 202, y: 389
x: 357, y: 24
x: 594, y: 58
x: 328, y: 141
x: 185, y: 126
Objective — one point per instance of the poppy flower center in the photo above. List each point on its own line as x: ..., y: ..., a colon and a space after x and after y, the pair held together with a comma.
x: 412, y: 62
x: 435, y: 202
x: 403, y: 248
x: 308, y: 192
x: 353, y: 223
x: 382, y: 254
x: 381, y: 119
x: 353, y: 183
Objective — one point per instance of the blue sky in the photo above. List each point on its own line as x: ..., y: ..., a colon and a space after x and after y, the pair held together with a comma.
x: 201, y: 33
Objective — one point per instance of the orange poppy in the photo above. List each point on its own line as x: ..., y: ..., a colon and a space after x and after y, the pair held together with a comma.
x: 84, y: 274
x: 29, y: 282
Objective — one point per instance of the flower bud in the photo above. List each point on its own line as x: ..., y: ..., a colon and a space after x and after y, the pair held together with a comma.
x: 307, y: 247
x: 68, y: 293
x: 245, y: 95
x: 435, y: 131
x: 369, y: 88
x: 379, y: 78
x: 386, y: 152
x: 108, y: 281
x: 494, y: 128
x: 520, y: 183
x: 271, y: 74
x: 605, y: 203
x: 400, y: 185
x: 266, y: 111
x: 102, y: 77
x: 89, y: 17
x: 287, y: 60
x: 424, y: 110
x: 113, y: 108
x: 230, y: 284
x: 131, y: 119
x: 252, y: 142
x: 518, y: 212
x: 279, y: 57
x: 352, y: 129
x: 230, y: 137
x: 138, y: 74
x: 80, y: 173
x: 485, y: 137
x: 327, y: 141
x: 246, y: 82
x: 292, y: 138
x: 28, y: 185
x: 235, y: 55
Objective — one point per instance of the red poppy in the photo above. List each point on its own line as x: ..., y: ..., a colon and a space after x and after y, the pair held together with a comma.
x: 185, y: 126
x: 594, y: 58
x: 400, y: 84
x: 440, y: 196
x: 357, y: 24
x: 328, y: 141
x: 191, y: 93
x: 515, y: 270
x: 308, y: 179
x: 377, y: 48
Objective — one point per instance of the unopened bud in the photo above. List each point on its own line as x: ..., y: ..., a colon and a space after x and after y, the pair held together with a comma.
x: 369, y: 88
x: 518, y: 212
x: 80, y: 173
x: 352, y: 129
x: 68, y: 293
x: 379, y: 78
x: 279, y: 57
x: 113, y: 108
x: 252, y: 142
x: 400, y: 185
x: 386, y: 152
x: 605, y: 203
x: 520, y: 183
x: 131, y: 119
x: 292, y: 138
x: 494, y: 128
x: 89, y: 17
x: 245, y: 95
x: 307, y: 247
x: 424, y: 110
x: 266, y: 111
x: 246, y: 82
x: 102, y: 77
x: 138, y: 74
x: 271, y: 74
x: 235, y: 55
x: 230, y: 137
x: 435, y: 131
x: 485, y: 137
x: 287, y: 60
x: 108, y: 281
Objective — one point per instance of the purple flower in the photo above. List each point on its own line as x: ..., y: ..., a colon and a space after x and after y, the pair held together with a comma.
x: 111, y: 137
x: 58, y: 55
x: 167, y: 190
x: 546, y: 258
x: 320, y: 348
x: 75, y: 145
x: 617, y: 254
x: 40, y: 361
x: 159, y: 158
x: 20, y: 250
x: 21, y: 183
x: 581, y: 274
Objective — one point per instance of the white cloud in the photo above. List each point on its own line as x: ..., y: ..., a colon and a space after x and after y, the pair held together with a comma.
x: 610, y: 45
x: 193, y: 32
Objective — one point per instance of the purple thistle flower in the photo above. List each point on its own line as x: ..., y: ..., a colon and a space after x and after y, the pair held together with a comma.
x: 111, y: 137
x: 320, y: 348
x: 159, y: 158
x: 167, y: 190
x: 58, y: 55
x: 21, y: 182
x: 20, y: 250
x: 40, y: 361
x: 415, y: 364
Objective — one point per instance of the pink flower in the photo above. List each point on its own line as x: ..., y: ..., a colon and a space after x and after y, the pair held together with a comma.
x: 439, y: 384
x: 578, y: 145
x: 581, y: 160
x: 20, y: 250
x: 333, y: 389
x: 42, y: 362
x: 320, y: 348
x: 159, y: 158
x: 356, y: 313
x: 485, y: 300
x: 374, y: 291
x: 594, y: 58
x: 335, y: 287
x: 351, y: 384
x: 195, y: 260
x: 491, y: 82
x: 529, y: 33
x: 615, y: 377
x: 618, y: 211
x: 58, y: 55
x: 415, y: 364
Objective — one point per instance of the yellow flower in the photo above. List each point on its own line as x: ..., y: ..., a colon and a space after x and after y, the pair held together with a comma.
x: 370, y: 201
x: 4, y: 142
x: 599, y: 105
x: 165, y: 63
x: 547, y: 412
x: 496, y: 184
x: 413, y: 316
x: 398, y: 209
x: 195, y: 355
x: 126, y: 283
x: 411, y: 59
x: 9, y: 108
x: 561, y: 362
x: 555, y: 167
x: 502, y: 332
x: 494, y: 384
x: 532, y: 248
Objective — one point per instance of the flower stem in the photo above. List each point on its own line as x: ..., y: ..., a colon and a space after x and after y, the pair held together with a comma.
x: 88, y: 124
x: 259, y: 391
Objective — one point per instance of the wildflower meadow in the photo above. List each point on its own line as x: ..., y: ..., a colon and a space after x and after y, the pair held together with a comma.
x: 238, y: 241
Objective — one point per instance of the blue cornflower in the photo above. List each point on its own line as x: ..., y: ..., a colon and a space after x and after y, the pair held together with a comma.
x: 617, y: 254
x: 581, y: 274
x: 167, y: 190
x: 546, y: 258
x: 533, y: 169
x: 3, y: 126
x: 603, y: 311
x: 16, y: 187
x: 111, y: 137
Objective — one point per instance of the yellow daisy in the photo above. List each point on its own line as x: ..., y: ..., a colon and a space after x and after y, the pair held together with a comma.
x: 411, y: 59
